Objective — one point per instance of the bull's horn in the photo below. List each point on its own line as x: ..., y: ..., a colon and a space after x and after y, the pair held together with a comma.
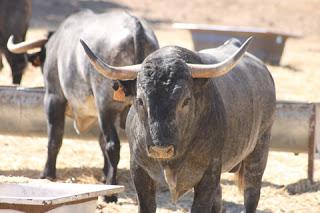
x: 114, y: 73
x: 221, y: 68
x: 24, y: 46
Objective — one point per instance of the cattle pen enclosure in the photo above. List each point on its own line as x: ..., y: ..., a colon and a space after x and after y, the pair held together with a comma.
x: 80, y: 161
x: 296, y: 128
x: 285, y: 185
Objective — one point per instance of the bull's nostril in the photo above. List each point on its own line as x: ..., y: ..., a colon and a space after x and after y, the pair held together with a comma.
x: 170, y: 149
x: 161, y: 151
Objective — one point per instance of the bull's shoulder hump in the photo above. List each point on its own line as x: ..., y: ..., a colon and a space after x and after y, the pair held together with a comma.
x: 80, y: 14
x: 176, y: 52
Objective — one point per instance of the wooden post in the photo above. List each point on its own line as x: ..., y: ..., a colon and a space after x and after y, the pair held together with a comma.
x: 311, y: 144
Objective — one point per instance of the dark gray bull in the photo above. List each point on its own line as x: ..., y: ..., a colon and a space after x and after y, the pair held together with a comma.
x: 188, y: 124
x: 74, y: 89
x: 14, y: 20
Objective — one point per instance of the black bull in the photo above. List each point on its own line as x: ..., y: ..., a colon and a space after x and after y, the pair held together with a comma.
x: 195, y: 115
x: 14, y: 20
x: 73, y: 89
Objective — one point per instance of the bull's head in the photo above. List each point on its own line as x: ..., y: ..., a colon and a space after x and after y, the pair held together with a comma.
x: 165, y: 96
x: 36, y: 58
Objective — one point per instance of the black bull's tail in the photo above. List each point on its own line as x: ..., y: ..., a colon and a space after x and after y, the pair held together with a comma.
x: 239, y: 177
x: 139, y: 40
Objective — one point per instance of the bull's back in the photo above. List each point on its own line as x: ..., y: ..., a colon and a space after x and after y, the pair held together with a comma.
x: 248, y: 96
x: 71, y: 67
x: 109, y: 35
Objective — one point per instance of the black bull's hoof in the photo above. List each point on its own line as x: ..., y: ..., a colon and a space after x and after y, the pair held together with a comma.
x: 110, y: 199
x: 45, y: 175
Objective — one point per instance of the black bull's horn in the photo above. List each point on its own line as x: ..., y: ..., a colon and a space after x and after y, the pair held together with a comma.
x: 197, y: 70
x: 111, y: 72
x: 24, y: 46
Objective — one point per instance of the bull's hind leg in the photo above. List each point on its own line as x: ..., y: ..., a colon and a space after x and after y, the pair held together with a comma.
x: 1, y: 64
x: 252, y: 170
x: 55, y: 106
x: 110, y: 146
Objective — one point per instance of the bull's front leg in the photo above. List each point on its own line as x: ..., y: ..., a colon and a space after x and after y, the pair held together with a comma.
x: 207, y: 193
x: 18, y: 63
x: 145, y: 188
x: 55, y: 107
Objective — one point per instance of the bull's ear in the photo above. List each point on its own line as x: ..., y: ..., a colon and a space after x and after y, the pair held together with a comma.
x: 129, y: 88
x: 35, y: 59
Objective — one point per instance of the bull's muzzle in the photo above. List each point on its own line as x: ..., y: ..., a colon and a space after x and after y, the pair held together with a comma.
x: 161, y: 152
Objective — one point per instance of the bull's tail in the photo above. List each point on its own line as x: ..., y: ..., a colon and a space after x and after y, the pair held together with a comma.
x: 239, y: 177
x: 139, y: 39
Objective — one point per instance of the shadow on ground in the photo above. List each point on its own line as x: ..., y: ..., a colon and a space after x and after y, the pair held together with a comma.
x: 264, y: 184
x: 303, y: 186
x: 291, y: 68
x: 231, y: 207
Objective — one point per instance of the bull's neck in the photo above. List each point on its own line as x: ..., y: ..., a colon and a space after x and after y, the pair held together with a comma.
x: 210, y: 123
x: 209, y: 105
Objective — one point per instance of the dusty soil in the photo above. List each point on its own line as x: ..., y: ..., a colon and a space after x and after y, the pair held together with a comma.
x: 284, y: 186
x: 80, y: 162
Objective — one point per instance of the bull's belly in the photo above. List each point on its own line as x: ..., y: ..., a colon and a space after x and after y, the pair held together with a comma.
x: 237, y: 150
x: 84, y: 113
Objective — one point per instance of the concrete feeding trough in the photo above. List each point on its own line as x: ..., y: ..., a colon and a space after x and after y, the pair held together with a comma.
x: 266, y: 45
x: 296, y: 128
x: 22, y: 113
x: 52, y: 197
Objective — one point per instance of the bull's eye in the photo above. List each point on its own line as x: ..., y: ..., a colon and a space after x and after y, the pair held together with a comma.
x: 139, y: 102
x: 186, y: 102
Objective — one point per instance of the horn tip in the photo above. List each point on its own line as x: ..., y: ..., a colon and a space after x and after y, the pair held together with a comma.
x: 83, y: 43
x: 10, y: 43
x: 88, y: 50
x: 10, y: 40
x: 249, y: 40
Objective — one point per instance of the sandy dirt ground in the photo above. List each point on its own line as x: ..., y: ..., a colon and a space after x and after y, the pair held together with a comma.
x: 285, y: 188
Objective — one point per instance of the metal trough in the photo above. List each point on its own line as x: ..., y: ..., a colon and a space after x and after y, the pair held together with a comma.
x: 52, y: 197
x: 266, y: 45
x: 296, y: 128
x: 293, y: 126
x: 22, y: 113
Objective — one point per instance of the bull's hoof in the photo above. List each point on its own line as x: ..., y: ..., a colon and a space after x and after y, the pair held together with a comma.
x: 110, y: 199
x: 47, y: 176
x: 103, y: 179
